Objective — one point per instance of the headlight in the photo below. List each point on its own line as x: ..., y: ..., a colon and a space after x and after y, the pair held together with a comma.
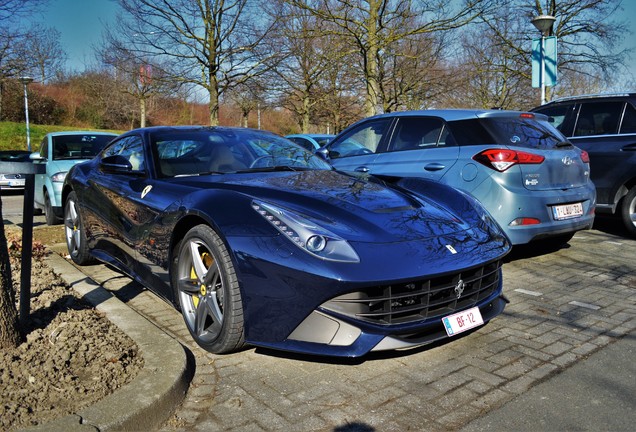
x: 307, y: 235
x: 58, y: 177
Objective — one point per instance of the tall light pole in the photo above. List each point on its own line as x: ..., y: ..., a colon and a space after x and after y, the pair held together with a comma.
x: 543, y: 23
x: 26, y: 80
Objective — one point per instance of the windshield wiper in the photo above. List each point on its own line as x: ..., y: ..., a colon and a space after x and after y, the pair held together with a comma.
x: 277, y: 168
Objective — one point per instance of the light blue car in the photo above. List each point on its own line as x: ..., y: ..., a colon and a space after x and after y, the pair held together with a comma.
x: 530, y: 178
x: 60, y: 151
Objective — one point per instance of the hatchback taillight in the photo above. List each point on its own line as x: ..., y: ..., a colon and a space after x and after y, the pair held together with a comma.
x: 585, y: 157
x: 502, y: 159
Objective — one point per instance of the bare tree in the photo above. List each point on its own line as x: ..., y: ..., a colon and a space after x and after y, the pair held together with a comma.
x: 44, y: 54
x: 373, y: 26
x: 139, y: 78
x: 210, y: 44
x: 10, y: 66
x: 498, y: 51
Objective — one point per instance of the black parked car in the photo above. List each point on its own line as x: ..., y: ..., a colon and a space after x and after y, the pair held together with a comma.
x: 605, y: 127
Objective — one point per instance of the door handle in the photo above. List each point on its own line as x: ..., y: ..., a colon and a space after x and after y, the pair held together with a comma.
x: 362, y: 169
x: 629, y: 147
x: 435, y: 166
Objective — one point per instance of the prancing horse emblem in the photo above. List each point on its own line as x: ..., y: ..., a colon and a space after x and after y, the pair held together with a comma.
x: 459, y: 288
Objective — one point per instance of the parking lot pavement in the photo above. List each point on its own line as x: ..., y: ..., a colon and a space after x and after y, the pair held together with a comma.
x: 567, y: 308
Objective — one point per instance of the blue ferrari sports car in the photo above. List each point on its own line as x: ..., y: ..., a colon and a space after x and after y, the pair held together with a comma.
x: 258, y: 241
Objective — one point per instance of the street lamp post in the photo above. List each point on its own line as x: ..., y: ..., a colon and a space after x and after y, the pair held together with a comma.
x: 543, y: 23
x: 25, y: 80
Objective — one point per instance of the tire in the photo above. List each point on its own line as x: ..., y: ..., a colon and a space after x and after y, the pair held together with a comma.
x: 74, y: 233
x: 49, y: 214
x: 628, y: 211
x: 208, y: 293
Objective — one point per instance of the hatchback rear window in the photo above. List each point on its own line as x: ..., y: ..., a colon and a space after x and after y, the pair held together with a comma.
x: 524, y: 132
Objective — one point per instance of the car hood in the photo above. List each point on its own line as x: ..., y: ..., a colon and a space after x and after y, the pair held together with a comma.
x: 353, y: 207
x: 56, y: 166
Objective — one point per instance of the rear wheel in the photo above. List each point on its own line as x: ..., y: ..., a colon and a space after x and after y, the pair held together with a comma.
x: 206, y: 286
x: 74, y: 232
x: 628, y: 211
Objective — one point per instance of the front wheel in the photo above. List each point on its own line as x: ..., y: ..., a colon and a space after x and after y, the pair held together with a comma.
x: 49, y: 214
x: 628, y: 211
x: 74, y: 232
x: 208, y: 292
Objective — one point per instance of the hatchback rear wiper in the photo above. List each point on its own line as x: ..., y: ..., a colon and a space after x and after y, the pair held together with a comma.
x: 563, y: 144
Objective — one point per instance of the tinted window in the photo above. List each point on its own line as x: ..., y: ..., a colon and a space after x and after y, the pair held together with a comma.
x: 78, y: 146
x: 598, y: 118
x: 131, y: 148
x: 364, y: 139
x: 557, y: 114
x: 303, y: 143
x: 523, y: 132
x: 629, y: 120
x: 412, y: 133
x: 469, y: 132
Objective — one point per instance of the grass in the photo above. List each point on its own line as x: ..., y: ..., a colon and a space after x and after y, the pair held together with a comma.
x: 13, y: 135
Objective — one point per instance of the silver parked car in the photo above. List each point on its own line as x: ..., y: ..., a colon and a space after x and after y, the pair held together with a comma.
x: 531, y: 179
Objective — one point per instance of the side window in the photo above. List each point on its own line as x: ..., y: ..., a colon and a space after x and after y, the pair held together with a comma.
x: 362, y: 140
x: 413, y: 133
x: 598, y: 118
x: 44, y: 148
x: 629, y: 120
x: 303, y: 143
x: 557, y: 115
x: 131, y: 148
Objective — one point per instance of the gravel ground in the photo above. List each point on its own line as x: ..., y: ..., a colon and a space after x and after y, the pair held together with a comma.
x: 72, y: 355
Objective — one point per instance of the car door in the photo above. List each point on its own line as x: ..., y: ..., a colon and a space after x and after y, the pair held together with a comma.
x: 420, y: 146
x: 597, y: 132
x: 111, y: 214
x: 356, y: 148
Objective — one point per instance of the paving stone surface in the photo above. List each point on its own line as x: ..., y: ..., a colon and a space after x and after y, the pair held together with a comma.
x: 565, y: 305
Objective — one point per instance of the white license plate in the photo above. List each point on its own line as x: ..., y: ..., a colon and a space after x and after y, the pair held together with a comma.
x: 462, y: 321
x: 567, y: 211
x: 16, y: 183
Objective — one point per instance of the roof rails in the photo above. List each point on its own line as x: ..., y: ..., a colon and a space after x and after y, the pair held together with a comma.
x: 593, y: 96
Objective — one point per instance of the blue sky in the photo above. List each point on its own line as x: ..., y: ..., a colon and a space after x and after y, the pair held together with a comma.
x: 81, y: 21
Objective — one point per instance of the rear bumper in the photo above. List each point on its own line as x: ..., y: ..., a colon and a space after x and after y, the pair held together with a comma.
x: 506, y: 205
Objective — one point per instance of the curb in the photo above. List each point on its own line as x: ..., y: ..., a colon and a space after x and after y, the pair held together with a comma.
x: 146, y: 402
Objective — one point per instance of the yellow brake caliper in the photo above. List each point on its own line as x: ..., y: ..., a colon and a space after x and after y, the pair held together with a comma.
x: 207, y: 262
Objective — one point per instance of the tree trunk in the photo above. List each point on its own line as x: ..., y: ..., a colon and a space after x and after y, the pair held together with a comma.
x: 142, y: 111
x: 9, y: 328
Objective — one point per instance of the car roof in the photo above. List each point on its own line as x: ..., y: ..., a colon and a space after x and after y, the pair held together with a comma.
x: 309, y: 136
x: 452, y: 114
x: 597, y: 96
x: 64, y: 133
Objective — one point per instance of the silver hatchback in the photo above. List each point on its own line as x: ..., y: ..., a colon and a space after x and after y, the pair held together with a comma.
x: 530, y: 178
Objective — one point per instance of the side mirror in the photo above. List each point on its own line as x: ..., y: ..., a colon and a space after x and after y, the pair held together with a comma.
x: 116, y: 164
x: 35, y: 156
x: 322, y: 153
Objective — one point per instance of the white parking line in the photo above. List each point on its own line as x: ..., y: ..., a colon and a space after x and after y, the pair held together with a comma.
x: 585, y: 305
x: 614, y: 243
x: 532, y: 293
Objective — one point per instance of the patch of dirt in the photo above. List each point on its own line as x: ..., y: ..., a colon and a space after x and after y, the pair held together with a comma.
x: 72, y: 355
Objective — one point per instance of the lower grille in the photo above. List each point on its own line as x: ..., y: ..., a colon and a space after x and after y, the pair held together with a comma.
x: 419, y: 300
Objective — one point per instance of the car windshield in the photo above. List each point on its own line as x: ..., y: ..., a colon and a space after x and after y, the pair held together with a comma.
x: 78, y: 146
x: 219, y: 150
x: 524, y: 132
